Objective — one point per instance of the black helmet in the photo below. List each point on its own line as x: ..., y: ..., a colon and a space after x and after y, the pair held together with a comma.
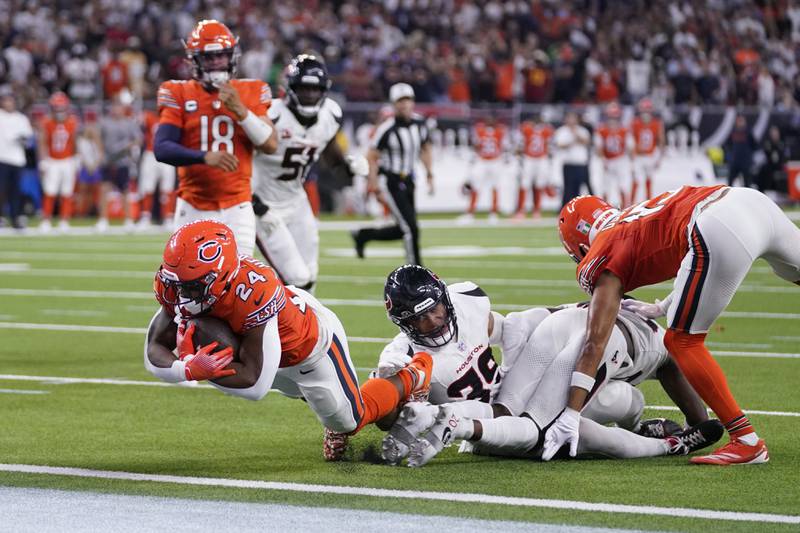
x: 411, y: 291
x: 306, y: 71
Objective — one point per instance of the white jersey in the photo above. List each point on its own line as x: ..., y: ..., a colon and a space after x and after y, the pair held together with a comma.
x: 278, y: 178
x: 464, y: 368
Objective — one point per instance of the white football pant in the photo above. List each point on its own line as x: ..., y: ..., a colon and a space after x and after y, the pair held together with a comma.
x: 289, y: 240
x: 153, y: 172
x: 58, y: 176
x: 240, y: 218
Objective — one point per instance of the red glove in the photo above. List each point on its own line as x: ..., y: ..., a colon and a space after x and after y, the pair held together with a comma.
x: 184, y: 340
x: 206, y: 365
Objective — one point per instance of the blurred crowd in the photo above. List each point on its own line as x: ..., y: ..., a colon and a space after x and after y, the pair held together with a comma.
x: 536, y: 51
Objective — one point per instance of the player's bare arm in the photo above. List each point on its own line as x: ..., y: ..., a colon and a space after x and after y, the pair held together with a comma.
x: 161, y: 340
x: 372, y: 178
x: 426, y: 156
x: 260, y: 130
x: 603, y: 310
x: 681, y: 392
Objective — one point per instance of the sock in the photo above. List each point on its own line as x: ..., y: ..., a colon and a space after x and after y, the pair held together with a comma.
x: 705, y: 375
x: 741, y: 428
x: 48, y: 203
x: 147, y: 205
x: 521, y: 200
x: 634, y: 190
x: 473, y: 201
x: 66, y: 207
x: 380, y: 397
x: 617, y: 442
x: 494, y: 200
x: 509, y: 433
x: 648, y: 185
x: 537, y: 199
x: 472, y: 409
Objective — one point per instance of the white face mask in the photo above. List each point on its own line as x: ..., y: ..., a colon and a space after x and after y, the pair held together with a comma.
x: 217, y: 78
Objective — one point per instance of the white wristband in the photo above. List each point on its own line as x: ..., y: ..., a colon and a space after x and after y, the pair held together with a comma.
x: 582, y: 381
x: 174, y: 374
x: 256, y: 129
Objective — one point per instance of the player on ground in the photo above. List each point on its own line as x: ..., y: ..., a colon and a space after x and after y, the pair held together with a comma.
x: 455, y: 325
x: 707, y: 239
x: 289, y: 340
x: 648, y: 147
x: 152, y: 174
x: 490, y: 143
x: 307, y: 122
x: 535, y: 174
x: 58, y: 163
x: 612, y: 145
x: 209, y: 127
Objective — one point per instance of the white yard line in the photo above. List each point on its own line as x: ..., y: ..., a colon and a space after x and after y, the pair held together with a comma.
x: 462, y: 497
x: 23, y: 391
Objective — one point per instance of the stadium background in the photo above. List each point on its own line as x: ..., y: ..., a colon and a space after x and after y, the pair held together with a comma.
x: 73, y: 308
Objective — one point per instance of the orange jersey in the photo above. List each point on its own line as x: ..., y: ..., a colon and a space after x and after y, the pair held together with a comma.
x: 646, y: 243
x: 255, y: 296
x: 60, y: 137
x: 613, y: 140
x: 535, y: 138
x: 646, y: 135
x: 489, y: 141
x: 207, y: 125
x: 150, y: 125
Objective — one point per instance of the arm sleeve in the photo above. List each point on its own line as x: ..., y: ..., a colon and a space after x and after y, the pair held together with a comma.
x: 168, y: 149
x: 271, y: 357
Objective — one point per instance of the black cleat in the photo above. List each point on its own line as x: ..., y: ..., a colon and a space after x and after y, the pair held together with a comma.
x: 696, y: 437
x: 359, y: 242
x: 658, y: 428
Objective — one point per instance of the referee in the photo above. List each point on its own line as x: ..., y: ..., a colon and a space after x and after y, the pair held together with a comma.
x: 395, y: 147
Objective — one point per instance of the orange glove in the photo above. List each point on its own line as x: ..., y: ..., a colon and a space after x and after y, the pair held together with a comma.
x: 184, y: 340
x: 206, y: 365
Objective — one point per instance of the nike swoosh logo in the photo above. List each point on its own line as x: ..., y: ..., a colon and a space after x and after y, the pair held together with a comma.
x: 261, y: 297
x: 306, y: 372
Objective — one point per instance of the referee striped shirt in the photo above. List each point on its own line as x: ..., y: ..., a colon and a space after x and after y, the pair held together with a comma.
x: 399, y: 142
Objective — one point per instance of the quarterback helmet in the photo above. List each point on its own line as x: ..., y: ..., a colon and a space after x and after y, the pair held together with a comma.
x: 579, y: 222
x: 307, y: 84
x: 412, y: 291
x: 199, y: 262
x: 59, y: 104
x: 214, y: 52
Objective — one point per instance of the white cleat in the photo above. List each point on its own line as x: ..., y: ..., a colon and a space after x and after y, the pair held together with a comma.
x: 440, y: 435
x: 415, y: 418
x: 493, y: 219
x: 101, y: 226
x: 63, y: 226
x: 465, y: 220
x: 45, y: 226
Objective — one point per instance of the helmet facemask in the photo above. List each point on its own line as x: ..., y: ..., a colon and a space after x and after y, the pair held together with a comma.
x: 211, y: 70
x: 307, y: 84
x: 437, y: 337
x: 193, y: 296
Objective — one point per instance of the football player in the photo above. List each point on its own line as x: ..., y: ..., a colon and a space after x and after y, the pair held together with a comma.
x: 209, y: 127
x: 455, y: 325
x: 154, y: 174
x: 307, y: 122
x: 648, y: 147
x: 706, y: 238
x: 613, y: 148
x: 490, y: 143
x: 58, y: 161
x: 535, y: 174
x: 289, y: 340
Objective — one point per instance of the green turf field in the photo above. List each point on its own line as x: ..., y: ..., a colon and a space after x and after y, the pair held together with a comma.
x: 104, y: 283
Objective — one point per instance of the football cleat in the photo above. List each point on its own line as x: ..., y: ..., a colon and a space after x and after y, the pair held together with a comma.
x: 415, y: 418
x: 421, y: 367
x: 334, y: 445
x: 695, y: 438
x: 658, y: 428
x: 438, y: 436
x: 358, y: 242
x: 735, y: 452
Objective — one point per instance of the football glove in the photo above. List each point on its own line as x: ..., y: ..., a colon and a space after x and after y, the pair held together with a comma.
x: 357, y: 164
x: 643, y: 309
x: 392, y: 363
x: 184, y: 339
x: 563, y: 431
x: 206, y: 365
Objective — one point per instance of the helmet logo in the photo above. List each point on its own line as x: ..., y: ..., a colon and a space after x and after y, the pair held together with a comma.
x: 584, y: 227
x: 388, y: 304
x: 424, y: 304
x: 190, y: 106
x: 209, y: 251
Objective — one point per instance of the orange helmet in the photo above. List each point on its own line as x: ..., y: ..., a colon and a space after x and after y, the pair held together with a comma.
x: 59, y: 100
x: 645, y: 105
x: 200, y: 260
x: 214, y: 52
x: 613, y: 110
x: 580, y: 220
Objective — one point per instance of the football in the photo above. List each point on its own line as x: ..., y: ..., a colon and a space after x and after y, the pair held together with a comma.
x: 209, y: 329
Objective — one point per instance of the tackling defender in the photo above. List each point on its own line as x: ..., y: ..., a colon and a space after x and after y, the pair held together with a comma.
x: 289, y: 340
x: 307, y: 122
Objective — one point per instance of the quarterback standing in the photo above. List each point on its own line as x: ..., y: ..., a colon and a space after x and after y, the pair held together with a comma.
x: 209, y: 127
x: 706, y: 238
x: 58, y: 160
x: 307, y: 122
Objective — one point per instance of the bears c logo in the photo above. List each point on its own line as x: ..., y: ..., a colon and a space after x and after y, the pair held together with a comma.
x: 209, y: 251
